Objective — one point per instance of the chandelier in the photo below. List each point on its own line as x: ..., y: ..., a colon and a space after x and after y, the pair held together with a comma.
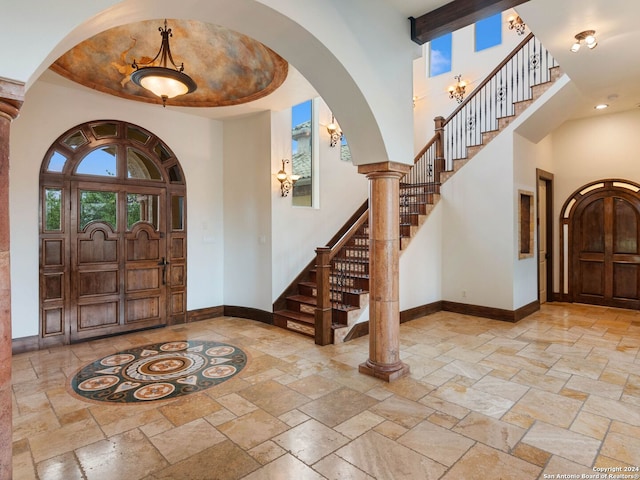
x: 160, y: 79
x: 457, y: 91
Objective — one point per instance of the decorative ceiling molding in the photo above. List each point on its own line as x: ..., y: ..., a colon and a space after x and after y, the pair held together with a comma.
x: 228, y: 67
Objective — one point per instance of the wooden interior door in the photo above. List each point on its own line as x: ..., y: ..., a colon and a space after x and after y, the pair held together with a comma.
x: 605, y: 257
x: 542, y: 241
x: 118, y: 259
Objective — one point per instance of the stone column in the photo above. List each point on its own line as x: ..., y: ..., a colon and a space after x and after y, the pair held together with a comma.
x: 11, y: 97
x: 384, y: 254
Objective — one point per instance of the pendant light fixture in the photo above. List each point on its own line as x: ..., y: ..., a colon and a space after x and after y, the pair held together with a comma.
x: 160, y: 79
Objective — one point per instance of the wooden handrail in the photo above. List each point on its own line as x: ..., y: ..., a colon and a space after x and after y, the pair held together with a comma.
x: 490, y: 76
x: 433, y: 140
x: 349, y: 233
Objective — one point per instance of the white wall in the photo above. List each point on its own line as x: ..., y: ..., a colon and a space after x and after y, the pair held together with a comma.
x: 298, y: 231
x: 247, y: 212
x: 432, y: 97
x: 51, y: 109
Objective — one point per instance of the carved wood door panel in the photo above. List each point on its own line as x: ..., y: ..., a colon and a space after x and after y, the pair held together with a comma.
x: 605, y: 255
x: 118, y: 266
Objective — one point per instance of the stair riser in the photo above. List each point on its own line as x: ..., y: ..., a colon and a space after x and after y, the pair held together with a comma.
x: 296, y: 306
x: 293, y: 326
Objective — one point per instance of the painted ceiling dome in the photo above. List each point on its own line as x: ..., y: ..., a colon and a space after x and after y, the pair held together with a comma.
x: 228, y: 67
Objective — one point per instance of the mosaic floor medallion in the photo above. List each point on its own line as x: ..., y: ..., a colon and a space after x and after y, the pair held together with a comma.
x: 159, y: 371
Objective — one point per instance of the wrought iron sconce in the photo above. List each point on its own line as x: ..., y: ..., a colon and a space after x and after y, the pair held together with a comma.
x: 589, y: 37
x: 334, y: 132
x: 286, y: 181
x: 457, y: 91
x: 516, y: 23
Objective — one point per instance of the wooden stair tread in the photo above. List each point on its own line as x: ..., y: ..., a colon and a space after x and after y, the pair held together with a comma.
x: 303, y: 299
x: 297, y: 316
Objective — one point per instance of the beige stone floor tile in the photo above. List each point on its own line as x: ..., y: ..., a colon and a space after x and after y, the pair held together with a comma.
x: 285, y: 467
x: 482, y: 462
x: 223, y: 461
x: 442, y: 419
x: 510, y: 390
x: 335, y: 468
x: 324, y: 408
x: 531, y: 454
x: 402, y: 411
x: 313, y: 386
x: 476, y: 400
x: 490, y: 431
x: 310, y: 441
x: 294, y: 417
x: 448, y: 408
x: 23, y: 467
x: 576, y: 366
x: 410, y: 388
x: 561, y: 466
x: 575, y: 394
x: 127, y: 455
x: 130, y: 422
x: 236, y: 404
x: 564, y: 443
x: 382, y: 458
x: 379, y: 393
x: 548, y: 407
x: 252, y: 429
x: 390, y: 429
x: 156, y: 427
x: 266, y: 452
x: 274, y: 397
x: 542, y: 382
x: 594, y: 426
x: 621, y: 411
x: 35, y: 423
x: 436, y: 443
x: 219, y: 417
x: 65, y: 439
x: 188, y: 408
x: 186, y: 440
x: 359, y: 424
x: 63, y: 467
x: 622, y: 447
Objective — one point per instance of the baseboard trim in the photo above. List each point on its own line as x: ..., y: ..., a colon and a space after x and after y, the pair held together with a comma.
x: 200, y: 314
x: 421, y: 311
x: 25, y: 344
x: 490, y: 312
x: 249, y: 313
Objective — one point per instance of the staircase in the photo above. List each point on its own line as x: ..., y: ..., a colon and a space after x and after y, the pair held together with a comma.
x: 333, y: 291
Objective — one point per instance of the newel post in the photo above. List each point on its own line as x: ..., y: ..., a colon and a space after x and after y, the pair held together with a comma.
x: 323, y: 296
x: 439, y: 164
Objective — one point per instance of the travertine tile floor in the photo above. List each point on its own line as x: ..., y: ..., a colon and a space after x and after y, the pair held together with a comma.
x: 556, y: 393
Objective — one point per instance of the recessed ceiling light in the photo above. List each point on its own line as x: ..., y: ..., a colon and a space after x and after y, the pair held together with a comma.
x: 601, y: 106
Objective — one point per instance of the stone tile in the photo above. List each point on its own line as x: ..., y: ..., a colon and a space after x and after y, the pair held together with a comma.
x: 382, y: 458
x: 63, y: 467
x: 236, y: 404
x: 391, y: 430
x: 531, y: 454
x: 224, y: 461
x: 495, y: 433
x: 128, y: 455
x: 511, y: 390
x: 482, y: 462
x: 350, y: 403
x: 23, y: 468
x: 476, y: 400
x: 310, y: 441
x: 592, y: 425
x: 189, y: 408
x: 548, y: 407
x: 178, y: 443
x: 335, y: 468
x: 622, y: 447
x: 358, y: 424
x: 467, y: 369
x: 543, y: 382
x: 285, y: 467
x: 402, y: 411
x: 266, y: 452
x: 561, y: 466
x: 313, y: 386
x: 437, y: 443
x: 445, y: 407
x: 66, y: 439
x: 595, y: 387
x: 564, y: 443
x: 577, y: 366
x: 252, y: 429
x: 409, y: 388
x: 293, y: 418
x: 621, y: 411
x: 274, y: 397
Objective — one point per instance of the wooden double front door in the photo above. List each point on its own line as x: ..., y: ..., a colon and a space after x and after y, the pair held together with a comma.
x: 112, y: 234
x: 605, y: 255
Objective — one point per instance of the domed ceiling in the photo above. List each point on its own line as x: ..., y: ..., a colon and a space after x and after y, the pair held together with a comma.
x: 228, y: 67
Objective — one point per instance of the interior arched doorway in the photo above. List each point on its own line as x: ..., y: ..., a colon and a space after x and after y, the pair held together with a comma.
x: 601, y: 222
x: 112, y: 233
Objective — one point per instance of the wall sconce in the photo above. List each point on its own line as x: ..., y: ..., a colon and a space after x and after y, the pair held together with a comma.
x: 589, y: 37
x: 334, y: 132
x: 516, y: 23
x: 457, y: 91
x: 286, y: 181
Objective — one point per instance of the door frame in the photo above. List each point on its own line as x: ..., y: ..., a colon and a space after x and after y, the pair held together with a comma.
x: 547, y: 178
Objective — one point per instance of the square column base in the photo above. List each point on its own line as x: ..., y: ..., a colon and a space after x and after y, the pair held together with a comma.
x: 388, y: 373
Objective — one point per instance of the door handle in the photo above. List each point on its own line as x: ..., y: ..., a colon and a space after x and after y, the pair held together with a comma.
x: 163, y: 263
